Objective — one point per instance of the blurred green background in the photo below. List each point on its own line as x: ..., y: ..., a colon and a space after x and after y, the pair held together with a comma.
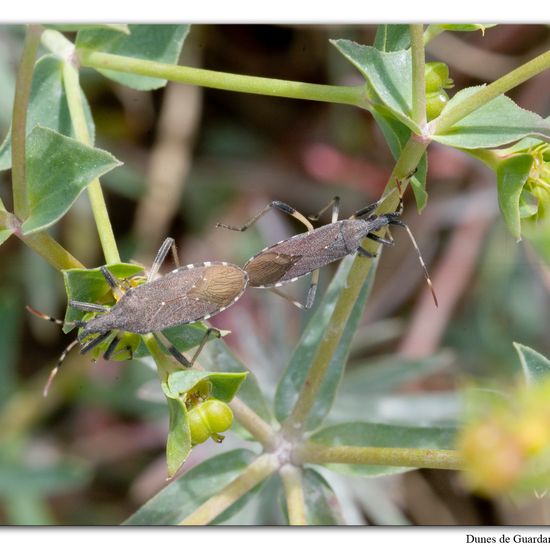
x: 93, y: 451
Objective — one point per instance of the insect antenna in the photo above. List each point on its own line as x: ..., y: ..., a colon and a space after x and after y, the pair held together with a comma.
x: 55, y: 370
x: 413, y: 240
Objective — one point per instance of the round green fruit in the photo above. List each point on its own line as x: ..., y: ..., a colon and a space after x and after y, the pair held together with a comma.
x: 436, y: 74
x: 435, y: 102
x: 208, y: 419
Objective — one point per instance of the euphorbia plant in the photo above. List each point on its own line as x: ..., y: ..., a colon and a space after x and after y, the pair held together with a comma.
x: 51, y: 153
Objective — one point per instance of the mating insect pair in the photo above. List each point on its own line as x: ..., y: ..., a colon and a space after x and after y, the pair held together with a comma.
x: 198, y: 291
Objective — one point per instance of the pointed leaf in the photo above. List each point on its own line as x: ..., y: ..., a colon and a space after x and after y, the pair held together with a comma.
x: 364, y: 434
x: 535, y: 365
x: 178, y: 444
x: 388, y: 75
x: 160, y: 43
x: 390, y: 38
x: 322, y: 507
x: 301, y: 361
x: 466, y: 27
x: 496, y: 123
x: 512, y: 174
x: 69, y: 27
x: 48, y: 105
x: 5, y: 235
x: 216, y: 357
x: 224, y: 384
x: 182, y: 496
x: 58, y: 170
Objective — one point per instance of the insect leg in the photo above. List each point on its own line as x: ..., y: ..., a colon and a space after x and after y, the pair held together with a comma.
x: 55, y: 370
x: 167, y: 245
x: 376, y: 238
x: 113, y: 282
x: 310, y: 298
x: 208, y: 332
x: 283, y: 207
x: 87, y: 306
x: 175, y: 353
x: 335, y: 203
x: 94, y: 342
x: 111, y: 347
x: 365, y: 253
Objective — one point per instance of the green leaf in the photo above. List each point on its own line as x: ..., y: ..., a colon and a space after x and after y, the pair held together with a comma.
x: 225, y: 385
x: 301, y: 361
x: 535, y: 366
x: 58, y: 169
x: 390, y: 38
x: 68, y: 27
x: 388, y: 76
x: 322, y: 507
x: 397, y: 135
x: 496, y: 123
x: 160, y: 43
x: 48, y: 105
x: 216, y: 357
x: 178, y: 444
x: 182, y: 496
x: 89, y: 285
x: 386, y: 373
x: 466, y: 27
x: 512, y: 174
x: 364, y: 434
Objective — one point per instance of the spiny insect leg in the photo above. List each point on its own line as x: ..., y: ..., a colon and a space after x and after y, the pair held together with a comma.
x: 335, y: 203
x: 283, y: 207
x: 310, y: 298
x: 208, y: 332
x: 172, y: 350
x: 380, y: 240
x: 55, y: 370
x: 167, y: 245
x: 365, y: 253
x: 111, y: 347
x: 115, y: 285
x: 94, y: 342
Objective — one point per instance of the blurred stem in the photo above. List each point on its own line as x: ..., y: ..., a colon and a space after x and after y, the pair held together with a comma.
x: 431, y: 32
x: 294, y: 494
x: 379, y: 456
x: 255, y: 473
x: 418, y: 76
x: 514, y: 78
x: 19, y: 120
x: 166, y: 365
x: 350, y: 95
x: 295, y: 423
x: 255, y: 424
x: 99, y: 208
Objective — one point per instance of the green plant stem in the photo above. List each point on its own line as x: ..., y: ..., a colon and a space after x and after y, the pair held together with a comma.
x: 380, y: 456
x: 514, y: 78
x: 418, y: 76
x: 294, y: 494
x: 294, y: 425
x: 431, y: 32
x: 97, y: 200
x: 253, y: 423
x: 349, y: 95
x: 19, y: 121
x: 255, y: 473
x: 166, y: 364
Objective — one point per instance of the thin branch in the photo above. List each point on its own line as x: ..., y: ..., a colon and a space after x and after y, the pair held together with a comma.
x: 294, y: 494
x: 255, y: 424
x: 19, y: 120
x: 349, y: 95
x: 380, y: 456
x: 514, y: 78
x: 97, y: 200
x: 418, y: 76
x: 409, y: 159
x: 255, y: 473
